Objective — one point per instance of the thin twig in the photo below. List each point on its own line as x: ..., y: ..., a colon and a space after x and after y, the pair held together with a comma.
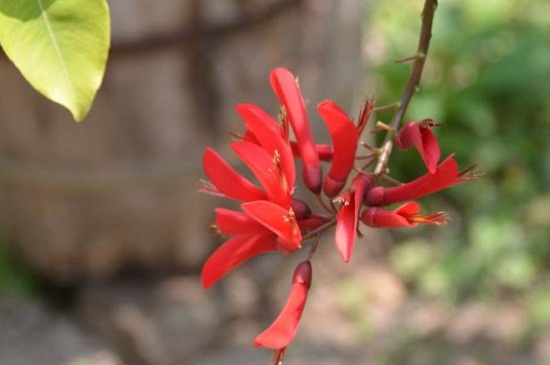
x: 419, y: 60
x: 319, y: 231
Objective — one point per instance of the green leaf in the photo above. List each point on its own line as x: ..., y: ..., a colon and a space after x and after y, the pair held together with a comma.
x: 60, y: 47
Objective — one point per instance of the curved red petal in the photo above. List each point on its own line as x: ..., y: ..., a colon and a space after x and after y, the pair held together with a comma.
x: 324, y: 151
x: 346, y: 227
x: 228, y: 181
x: 278, y: 220
x: 420, y: 136
x: 287, y: 91
x: 345, y: 138
x: 265, y: 170
x: 233, y: 252
x: 431, y: 151
x: 283, y: 330
x: 237, y: 223
x: 381, y: 218
x: 408, y: 209
x: 446, y: 175
x: 348, y: 215
x: 270, y: 136
x: 409, y: 136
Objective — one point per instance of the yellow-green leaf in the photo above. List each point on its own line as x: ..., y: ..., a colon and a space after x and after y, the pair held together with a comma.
x: 60, y: 47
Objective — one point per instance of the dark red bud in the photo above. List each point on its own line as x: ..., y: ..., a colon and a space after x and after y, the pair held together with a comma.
x: 313, y: 178
x: 302, y: 274
x: 301, y: 209
x: 375, y: 196
x: 332, y: 187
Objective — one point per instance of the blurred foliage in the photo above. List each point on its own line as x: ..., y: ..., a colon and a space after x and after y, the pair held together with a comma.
x: 487, y: 79
x: 15, y: 279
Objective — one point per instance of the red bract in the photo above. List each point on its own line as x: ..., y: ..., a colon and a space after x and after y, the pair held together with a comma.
x: 420, y: 136
x: 287, y: 91
x: 407, y: 215
x: 445, y: 175
x: 281, y: 333
x: 345, y: 138
x: 348, y: 214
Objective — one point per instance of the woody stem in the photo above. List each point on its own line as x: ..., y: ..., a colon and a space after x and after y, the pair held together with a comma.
x: 419, y: 59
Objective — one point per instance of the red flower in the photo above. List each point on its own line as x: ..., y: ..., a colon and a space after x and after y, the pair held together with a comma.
x: 287, y: 91
x: 272, y: 138
x: 278, y: 220
x: 420, y: 136
x: 345, y: 138
x: 227, y: 182
x: 267, y: 170
x: 348, y: 215
x: 282, y: 332
x: 445, y: 175
x: 406, y: 215
x: 250, y: 239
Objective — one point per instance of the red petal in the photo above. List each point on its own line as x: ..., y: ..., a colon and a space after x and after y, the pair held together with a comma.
x: 406, y: 215
x: 408, y: 209
x: 324, y: 151
x: 283, y: 330
x: 270, y: 136
x: 446, y: 175
x: 265, y: 170
x: 348, y: 215
x: 287, y: 91
x: 228, y: 181
x: 381, y: 218
x: 346, y: 226
x: 277, y: 220
x: 420, y: 136
x: 232, y: 253
x: 345, y: 138
x: 232, y: 223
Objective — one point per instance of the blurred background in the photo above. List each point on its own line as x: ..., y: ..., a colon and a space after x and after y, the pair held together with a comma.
x: 102, y: 233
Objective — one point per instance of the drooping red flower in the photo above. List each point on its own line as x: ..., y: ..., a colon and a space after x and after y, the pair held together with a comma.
x: 407, y: 215
x: 445, y: 175
x: 287, y: 91
x: 283, y: 330
x: 348, y: 214
x: 345, y: 138
x: 420, y: 136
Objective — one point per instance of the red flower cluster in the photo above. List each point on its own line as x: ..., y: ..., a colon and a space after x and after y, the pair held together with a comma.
x: 271, y: 219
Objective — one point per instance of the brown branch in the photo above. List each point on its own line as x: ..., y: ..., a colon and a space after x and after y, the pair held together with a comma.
x: 419, y: 60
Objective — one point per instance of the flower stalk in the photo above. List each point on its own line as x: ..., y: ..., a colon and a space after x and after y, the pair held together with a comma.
x: 428, y: 13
